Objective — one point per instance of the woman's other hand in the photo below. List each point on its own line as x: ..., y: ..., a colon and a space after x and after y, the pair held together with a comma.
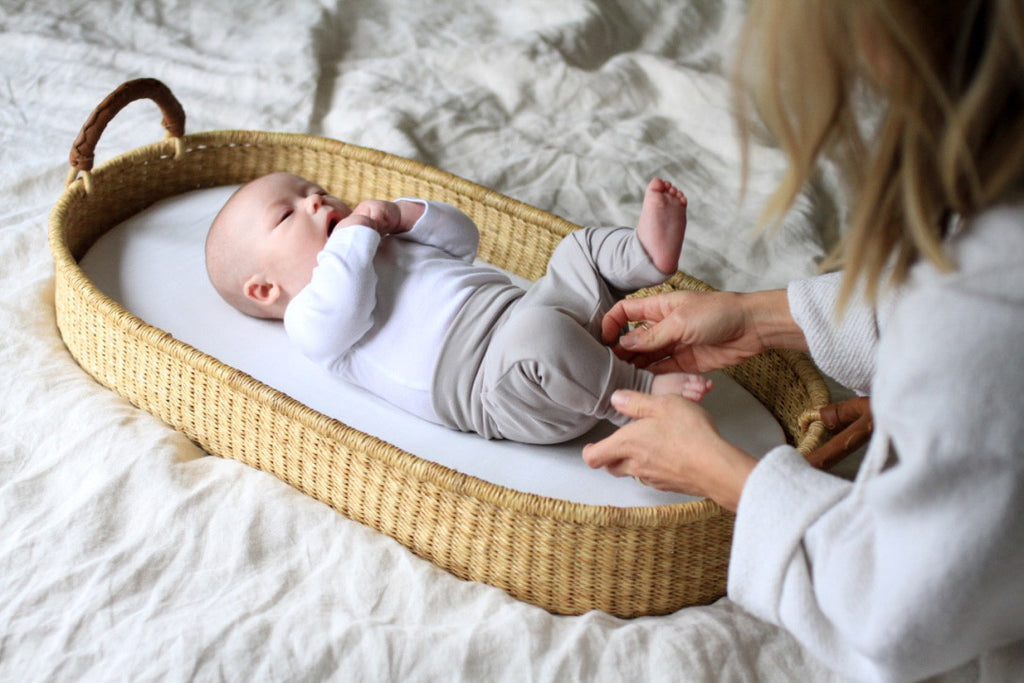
x: 672, y: 445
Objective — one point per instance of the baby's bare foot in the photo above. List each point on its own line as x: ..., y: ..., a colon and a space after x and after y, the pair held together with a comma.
x: 662, y: 224
x: 683, y: 384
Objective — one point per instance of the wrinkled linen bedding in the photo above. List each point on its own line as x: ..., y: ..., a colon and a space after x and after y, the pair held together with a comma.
x: 126, y: 552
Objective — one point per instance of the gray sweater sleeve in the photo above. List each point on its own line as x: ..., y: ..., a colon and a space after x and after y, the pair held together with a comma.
x: 843, y: 347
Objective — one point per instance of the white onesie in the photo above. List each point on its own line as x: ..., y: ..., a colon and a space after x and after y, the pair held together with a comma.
x: 377, y: 309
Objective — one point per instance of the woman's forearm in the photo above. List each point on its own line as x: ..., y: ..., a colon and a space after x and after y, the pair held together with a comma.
x: 768, y: 312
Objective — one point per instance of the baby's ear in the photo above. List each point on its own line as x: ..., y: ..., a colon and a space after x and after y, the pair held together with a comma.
x: 258, y: 290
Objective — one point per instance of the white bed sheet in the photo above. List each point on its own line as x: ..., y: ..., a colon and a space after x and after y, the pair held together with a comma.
x: 125, y: 552
x: 153, y: 265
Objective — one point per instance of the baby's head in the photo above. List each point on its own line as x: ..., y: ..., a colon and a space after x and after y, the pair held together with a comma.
x: 262, y: 246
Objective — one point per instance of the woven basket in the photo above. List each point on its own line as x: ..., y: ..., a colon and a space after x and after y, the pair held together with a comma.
x: 565, y: 557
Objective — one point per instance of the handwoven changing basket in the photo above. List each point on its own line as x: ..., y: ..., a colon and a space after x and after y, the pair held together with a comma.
x: 565, y: 557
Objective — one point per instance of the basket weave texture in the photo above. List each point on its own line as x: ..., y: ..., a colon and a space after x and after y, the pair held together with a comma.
x: 566, y: 557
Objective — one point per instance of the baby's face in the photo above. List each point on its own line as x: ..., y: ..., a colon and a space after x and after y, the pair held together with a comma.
x: 288, y: 220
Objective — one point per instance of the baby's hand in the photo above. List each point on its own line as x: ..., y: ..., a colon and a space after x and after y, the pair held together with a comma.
x: 359, y: 219
x: 385, y: 216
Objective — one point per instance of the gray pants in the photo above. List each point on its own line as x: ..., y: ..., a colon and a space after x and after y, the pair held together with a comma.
x: 530, y: 366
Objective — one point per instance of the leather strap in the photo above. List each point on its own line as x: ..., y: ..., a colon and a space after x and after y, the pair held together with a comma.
x: 85, y: 144
x: 853, y: 422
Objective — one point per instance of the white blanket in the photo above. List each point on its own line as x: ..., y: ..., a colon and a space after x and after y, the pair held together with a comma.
x: 125, y: 552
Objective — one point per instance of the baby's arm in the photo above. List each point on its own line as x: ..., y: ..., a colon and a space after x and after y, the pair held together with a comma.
x: 445, y: 227
x: 335, y: 310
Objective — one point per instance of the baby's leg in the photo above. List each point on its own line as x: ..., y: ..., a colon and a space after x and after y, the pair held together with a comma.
x: 545, y: 379
x: 592, y: 269
x: 589, y: 271
x: 662, y: 225
x: 682, y: 384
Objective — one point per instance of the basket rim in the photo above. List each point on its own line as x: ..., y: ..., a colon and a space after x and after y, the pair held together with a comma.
x: 538, y: 506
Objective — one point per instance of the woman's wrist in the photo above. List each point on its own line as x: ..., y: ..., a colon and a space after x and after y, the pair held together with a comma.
x: 773, y: 323
x: 736, y: 468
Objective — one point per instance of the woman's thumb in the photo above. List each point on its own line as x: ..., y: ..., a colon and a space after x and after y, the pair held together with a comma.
x: 634, y: 404
x: 648, y: 337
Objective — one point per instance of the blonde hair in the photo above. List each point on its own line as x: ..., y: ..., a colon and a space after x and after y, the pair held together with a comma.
x: 919, y: 104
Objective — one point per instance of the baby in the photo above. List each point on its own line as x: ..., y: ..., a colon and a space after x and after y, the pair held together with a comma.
x: 387, y: 295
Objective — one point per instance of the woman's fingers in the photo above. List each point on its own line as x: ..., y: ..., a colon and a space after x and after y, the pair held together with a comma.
x: 634, y: 404
x: 650, y: 309
x: 616, y: 451
x: 621, y: 314
x: 656, y: 340
x: 609, y: 453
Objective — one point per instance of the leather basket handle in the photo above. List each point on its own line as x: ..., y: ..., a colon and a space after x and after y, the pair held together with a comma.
x: 83, y: 149
x: 853, y: 422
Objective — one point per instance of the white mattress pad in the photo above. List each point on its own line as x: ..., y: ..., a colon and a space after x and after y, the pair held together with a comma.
x: 152, y: 264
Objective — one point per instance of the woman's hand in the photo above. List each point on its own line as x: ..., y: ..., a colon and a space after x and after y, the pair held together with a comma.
x: 701, y: 331
x: 672, y: 445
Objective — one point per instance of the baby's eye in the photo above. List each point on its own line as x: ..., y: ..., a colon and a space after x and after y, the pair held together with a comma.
x: 285, y: 215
